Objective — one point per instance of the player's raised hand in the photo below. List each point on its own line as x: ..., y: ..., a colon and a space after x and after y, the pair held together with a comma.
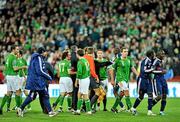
x: 97, y: 80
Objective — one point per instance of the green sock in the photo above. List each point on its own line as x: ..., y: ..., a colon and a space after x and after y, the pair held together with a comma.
x: 61, y: 100
x: 69, y: 101
x: 79, y: 104
x: 57, y: 100
x: 128, y: 102
x: 4, y: 101
x: 18, y: 100
x: 116, y: 102
x: 8, y: 102
x: 88, y: 105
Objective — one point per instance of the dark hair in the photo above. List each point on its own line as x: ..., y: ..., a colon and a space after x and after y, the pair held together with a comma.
x: 160, y: 53
x: 123, y: 48
x: 150, y: 53
x: 116, y: 51
x: 80, y: 52
x: 20, y: 52
x: 64, y: 55
x: 41, y: 50
x: 74, y: 48
x: 13, y: 47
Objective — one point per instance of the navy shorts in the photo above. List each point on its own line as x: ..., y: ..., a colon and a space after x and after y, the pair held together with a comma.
x: 160, y: 86
x: 93, y: 84
x: 144, y: 85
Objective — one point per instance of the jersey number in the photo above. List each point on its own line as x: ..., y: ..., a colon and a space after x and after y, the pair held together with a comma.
x: 61, y: 67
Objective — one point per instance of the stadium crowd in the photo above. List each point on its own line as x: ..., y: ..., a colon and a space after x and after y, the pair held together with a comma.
x: 137, y: 24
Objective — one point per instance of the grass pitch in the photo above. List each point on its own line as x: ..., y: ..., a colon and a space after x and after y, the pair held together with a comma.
x: 35, y: 115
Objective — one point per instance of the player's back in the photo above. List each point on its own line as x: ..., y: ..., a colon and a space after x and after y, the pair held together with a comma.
x: 145, y: 68
x: 158, y: 66
x: 83, y: 69
x: 64, y: 66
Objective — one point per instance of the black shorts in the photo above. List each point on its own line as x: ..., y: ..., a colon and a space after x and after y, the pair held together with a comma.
x: 93, y: 84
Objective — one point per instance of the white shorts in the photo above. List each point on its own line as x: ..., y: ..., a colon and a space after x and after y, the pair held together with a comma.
x: 21, y: 83
x: 84, y: 85
x: 12, y: 83
x: 66, y: 84
x: 123, y: 85
x: 105, y: 83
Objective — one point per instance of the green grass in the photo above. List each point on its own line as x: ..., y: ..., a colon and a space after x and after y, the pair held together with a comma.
x: 35, y: 115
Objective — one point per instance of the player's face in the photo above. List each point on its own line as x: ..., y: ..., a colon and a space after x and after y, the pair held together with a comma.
x: 162, y: 55
x: 69, y: 56
x: 18, y: 55
x: 45, y: 54
x: 124, y: 53
x: 16, y: 50
x: 100, y: 54
x: 152, y: 56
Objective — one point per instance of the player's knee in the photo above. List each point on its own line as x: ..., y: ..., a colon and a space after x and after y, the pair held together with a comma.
x: 141, y: 97
x: 63, y: 94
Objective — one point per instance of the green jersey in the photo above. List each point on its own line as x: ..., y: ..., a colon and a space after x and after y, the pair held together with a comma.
x: 21, y: 62
x: 103, y: 70
x: 10, y: 62
x: 64, y: 67
x: 122, y: 68
x: 83, y: 69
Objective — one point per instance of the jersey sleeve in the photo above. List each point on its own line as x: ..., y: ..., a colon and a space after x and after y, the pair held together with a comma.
x: 40, y: 70
x: 114, y: 65
x: 79, y: 70
x: 132, y: 63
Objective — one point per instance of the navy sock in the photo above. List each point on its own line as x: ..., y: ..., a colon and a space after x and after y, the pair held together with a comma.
x: 105, y: 101
x: 94, y: 99
x: 137, y: 102
x: 150, y: 103
x: 28, y: 100
x: 163, y: 105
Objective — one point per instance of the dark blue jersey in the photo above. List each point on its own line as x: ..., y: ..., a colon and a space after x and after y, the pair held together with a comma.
x: 158, y: 68
x: 146, y: 68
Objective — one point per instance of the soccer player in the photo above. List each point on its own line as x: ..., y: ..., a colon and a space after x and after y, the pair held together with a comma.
x: 117, y: 54
x: 159, y: 82
x: 83, y: 74
x: 11, y: 76
x: 94, y: 80
x: 144, y: 83
x: 123, y: 66
x: 66, y: 84
x: 22, y: 73
x: 103, y: 77
x: 37, y: 80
